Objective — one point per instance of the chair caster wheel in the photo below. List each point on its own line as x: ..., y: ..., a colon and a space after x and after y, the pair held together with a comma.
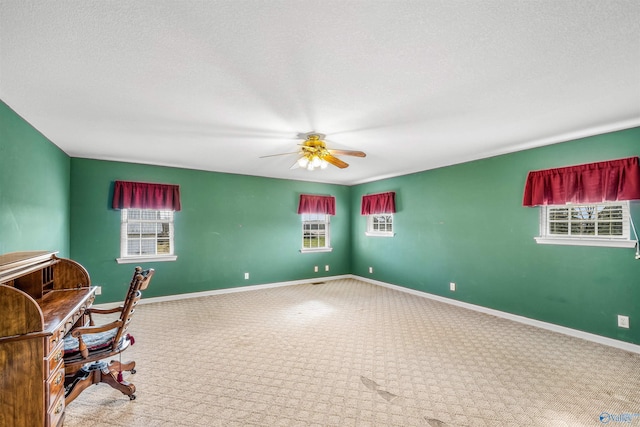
x: 133, y: 371
x: 132, y: 397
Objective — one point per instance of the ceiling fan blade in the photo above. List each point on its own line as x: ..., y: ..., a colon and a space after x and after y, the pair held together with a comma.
x: 335, y: 161
x: 281, y: 154
x: 348, y: 153
x: 296, y: 165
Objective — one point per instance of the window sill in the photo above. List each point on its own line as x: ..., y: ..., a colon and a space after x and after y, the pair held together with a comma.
x: 610, y: 243
x: 307, y: 251
x: 374, y: 234
x: 152, y: 258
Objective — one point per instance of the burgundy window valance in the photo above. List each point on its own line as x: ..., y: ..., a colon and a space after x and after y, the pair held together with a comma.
x: 310, y: 203
x: 378, y: 203
x: 144, y: 195
x: 613, y: 180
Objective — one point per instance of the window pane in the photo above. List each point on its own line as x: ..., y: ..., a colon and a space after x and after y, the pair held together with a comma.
x: 149, y: 229
x: 133, y: 213
x: 133, y: 247
x: 314, y: 241
x: 164, y: 246
x: 559, y: 228
x: 610, y: 229
x: 583, y: 212
x: 148, y: 215
x: 163, y: 230
x: 148, y: 247
x: 611, y: 213
x: 583, y: 228
x: 133, y: 230
x: 560, y: 214
x: 165, y: 215
x: 604, y: 214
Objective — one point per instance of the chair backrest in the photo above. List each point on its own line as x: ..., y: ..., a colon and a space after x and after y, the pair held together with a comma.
x: 139, y: 282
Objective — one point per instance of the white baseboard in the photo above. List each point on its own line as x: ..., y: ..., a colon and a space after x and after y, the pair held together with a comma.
x: 623, y: 345
x: 176, y: 297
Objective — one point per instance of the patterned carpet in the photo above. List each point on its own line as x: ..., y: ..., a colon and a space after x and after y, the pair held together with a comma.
x: 349, y: 353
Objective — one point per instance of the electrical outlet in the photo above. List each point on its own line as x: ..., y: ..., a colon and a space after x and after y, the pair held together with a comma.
x: 623, y: 321
x: 98, y: 290
x: 246, y: 276
x: 326, y: 267
x: 315, y: 268
x: 370, y: 269
x: 452, y: 286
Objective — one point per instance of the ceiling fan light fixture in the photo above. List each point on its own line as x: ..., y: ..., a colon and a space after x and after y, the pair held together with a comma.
x: 314, y: 154
x: 303, y: 162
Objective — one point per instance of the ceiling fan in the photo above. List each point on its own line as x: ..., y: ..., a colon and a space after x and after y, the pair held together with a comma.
x: 315, y: 154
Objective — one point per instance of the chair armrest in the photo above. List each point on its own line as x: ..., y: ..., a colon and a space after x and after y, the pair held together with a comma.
x: 88, y: 330
x: 105, y: 310
x: 77, y: 332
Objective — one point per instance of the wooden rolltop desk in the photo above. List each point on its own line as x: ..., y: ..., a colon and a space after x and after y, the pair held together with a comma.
x: 41, y: 298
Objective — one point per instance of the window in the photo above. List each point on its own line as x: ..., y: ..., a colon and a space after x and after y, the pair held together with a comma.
x: 380, y: 225
x: 602, y: 224
x: 315, y: 232
x: 379, y: 209
x: 146, y: 234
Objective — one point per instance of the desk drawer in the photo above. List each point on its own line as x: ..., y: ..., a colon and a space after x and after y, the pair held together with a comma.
x: 55, y: 339
x: 55, y: 387
x: 55, y: 414
x: 53, y: 360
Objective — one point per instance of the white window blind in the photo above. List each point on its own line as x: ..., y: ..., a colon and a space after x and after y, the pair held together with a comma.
x: 380, y: 225
x: 146, y: 233
x: 602, y: 224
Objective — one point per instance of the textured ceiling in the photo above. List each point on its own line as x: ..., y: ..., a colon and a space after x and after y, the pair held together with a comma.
x: 214, y: 85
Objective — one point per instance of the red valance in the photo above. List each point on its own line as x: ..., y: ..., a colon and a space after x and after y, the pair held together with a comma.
x: 613, y: 180
x: 143, y: 195
x: 378, y: 203
x: 310, y: 203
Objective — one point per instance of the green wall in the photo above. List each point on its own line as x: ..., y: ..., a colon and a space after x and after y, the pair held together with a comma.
x: 229, y: 224
x: 34, y: 188
x: 466, y: 224
x: 463, y: 224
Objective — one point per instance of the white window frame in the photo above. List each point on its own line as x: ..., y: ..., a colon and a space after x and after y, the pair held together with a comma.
x: 623, y: 241
x: 311, y: 219
x: 371, y: 226
x: 125, y: 219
